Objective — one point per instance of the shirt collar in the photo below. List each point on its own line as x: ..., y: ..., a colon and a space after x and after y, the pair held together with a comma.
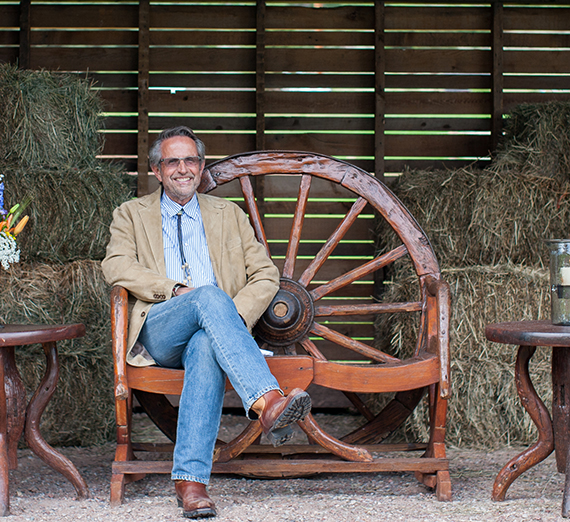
x: 170, y: 208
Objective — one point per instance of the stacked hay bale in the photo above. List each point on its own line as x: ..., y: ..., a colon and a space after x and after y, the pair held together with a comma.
x: 49, y: 141
x: 487, y: 228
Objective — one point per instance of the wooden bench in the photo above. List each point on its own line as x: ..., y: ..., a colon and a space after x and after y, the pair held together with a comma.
x: 302, y: 326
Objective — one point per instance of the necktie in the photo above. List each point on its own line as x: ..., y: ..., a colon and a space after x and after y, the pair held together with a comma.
x: 187, y: 279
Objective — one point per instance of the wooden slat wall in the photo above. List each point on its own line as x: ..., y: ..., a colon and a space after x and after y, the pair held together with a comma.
x: 383, y: 85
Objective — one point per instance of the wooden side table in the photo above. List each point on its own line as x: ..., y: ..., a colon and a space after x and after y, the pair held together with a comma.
x: 552, y: 434
x: 15, y: 417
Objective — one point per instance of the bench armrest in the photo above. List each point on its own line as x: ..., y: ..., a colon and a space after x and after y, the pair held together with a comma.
x: 119, y: 329
x: 441, y: 292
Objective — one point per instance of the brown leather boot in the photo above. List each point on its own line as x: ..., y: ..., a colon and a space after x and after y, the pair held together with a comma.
x: 279, y: 413
x: 194, y: 500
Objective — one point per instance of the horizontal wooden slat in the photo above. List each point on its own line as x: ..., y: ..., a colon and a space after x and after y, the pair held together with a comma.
x: 8, y: 54
x: 199, y: 16
x: 537, y: 61
x: 202, y: 59
x: 269, y: 467
x: 536, y: 39
x: 397, y: 60
x: 536, y: 18
x: 9, y: 38
x: 83, y: 15
x: 438, y: 18
x: 126, y: 37
x: 10, y: 16
x: 92, y: 58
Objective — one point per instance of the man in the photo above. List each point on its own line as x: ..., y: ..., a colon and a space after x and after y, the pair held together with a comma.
x: 198, y: 280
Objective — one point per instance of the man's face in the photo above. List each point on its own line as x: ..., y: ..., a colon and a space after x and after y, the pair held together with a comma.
x: 179, y: 180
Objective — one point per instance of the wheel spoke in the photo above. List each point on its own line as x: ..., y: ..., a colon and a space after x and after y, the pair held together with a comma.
x: 366, y: 309
x: 253, y: 211
x: 312, y: 349
x: 359, y: 272
x: 351, y: 344
x: 295, y: 237
x: 332, y: 241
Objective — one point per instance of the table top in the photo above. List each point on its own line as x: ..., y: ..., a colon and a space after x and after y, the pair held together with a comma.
x: 529, y: 333
x: 21, y: 334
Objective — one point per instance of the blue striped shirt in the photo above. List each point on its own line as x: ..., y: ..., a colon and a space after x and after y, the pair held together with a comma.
x: 195, y: 244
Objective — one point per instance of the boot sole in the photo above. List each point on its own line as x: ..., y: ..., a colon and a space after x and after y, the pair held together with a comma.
x: 197, y: 513
x: 297, y: 410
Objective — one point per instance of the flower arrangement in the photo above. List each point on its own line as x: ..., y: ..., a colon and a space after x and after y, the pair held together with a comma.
x: 10, y: 226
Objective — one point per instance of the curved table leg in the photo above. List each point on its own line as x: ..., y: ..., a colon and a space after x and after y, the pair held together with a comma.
x: 539, y: 415
x: 32, y: 433
x: 4, y: 475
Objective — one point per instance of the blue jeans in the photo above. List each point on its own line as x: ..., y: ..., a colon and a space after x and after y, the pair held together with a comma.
x: 202, y: 332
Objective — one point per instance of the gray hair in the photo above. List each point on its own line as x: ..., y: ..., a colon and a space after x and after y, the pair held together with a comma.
x: 155, y: 154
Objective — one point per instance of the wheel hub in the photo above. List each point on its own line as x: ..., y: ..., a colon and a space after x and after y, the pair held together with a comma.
x: 288, y: 317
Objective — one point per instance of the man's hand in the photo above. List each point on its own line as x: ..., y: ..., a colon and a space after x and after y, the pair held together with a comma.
x: 179, y: 290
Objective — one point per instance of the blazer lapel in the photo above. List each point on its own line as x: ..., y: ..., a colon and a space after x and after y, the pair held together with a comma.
x: 151, y: 218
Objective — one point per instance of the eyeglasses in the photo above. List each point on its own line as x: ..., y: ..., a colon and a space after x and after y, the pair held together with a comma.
x: 189, y: 161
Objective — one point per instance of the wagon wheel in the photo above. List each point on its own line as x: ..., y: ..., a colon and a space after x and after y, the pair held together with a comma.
x: 298, y: 312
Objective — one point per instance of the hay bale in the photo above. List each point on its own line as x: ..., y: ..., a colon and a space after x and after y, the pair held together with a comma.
x: 513, y: 214
x: 536, y: 141
x: 70, y: 212
x: 442, y: 203
x: 81, y: 411
x: 483, y: 217
x: 485, y: 410
x: 48, y: 119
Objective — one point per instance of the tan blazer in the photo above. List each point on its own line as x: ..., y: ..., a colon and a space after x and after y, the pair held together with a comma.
x: 135, y: 260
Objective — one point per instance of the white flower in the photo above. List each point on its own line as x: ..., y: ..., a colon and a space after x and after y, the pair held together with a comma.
x: 9, y: 251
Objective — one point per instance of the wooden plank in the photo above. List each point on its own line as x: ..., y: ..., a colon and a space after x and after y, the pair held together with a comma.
x: 535, y: 82
x: 11, y: 16
x: 10, y: 38
x: 219, y: 123
x: 532, y: 18
x: 212, y: 80
x: 92, y: 37
x: 325, y: 17
x: 119, y: 100
x: 25, y: 29
x: 124, y: 80
x: 82, y: 15
x: 497, y: 74
x: 201, y: 37
x: 202, y: 59
x: 202, y: 102
x: 397, y: 60
x: 363, y: 103
x: 8, y: 55
x: 92, y: 58
x: 260, y: 48
x: 547, y: 62
x: 438, y: 103
x: 198, y: 16
x: 295, y: 466
x: 537, y: 39
x: 514, y: 99
x: 379, y: 89
x: 398, y: 166
x: 143, y: 99
x: 437, y: 18
x: 392, y: 39
x: 396, y: 145
x: 439, y: 81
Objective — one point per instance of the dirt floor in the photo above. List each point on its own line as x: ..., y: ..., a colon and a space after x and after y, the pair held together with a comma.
x: 40, y: 494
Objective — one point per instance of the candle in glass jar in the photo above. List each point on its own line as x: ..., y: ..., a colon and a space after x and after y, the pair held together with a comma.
x: 565, y: 276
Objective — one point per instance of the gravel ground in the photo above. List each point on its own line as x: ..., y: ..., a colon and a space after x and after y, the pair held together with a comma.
x: 40, y: 494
